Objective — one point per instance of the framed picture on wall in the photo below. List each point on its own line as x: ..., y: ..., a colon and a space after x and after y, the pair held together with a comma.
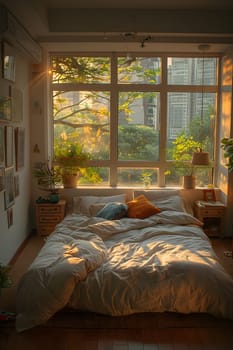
x: 17, y: 105
x: 2, y: 146
x: 5, y: 108
x: 2, y: 179
x: 9, y: 187
x: 19, y: 147
x: 9, y: 139
x: 10, y: 217
x: 16, y: 181
x: 8, y: 62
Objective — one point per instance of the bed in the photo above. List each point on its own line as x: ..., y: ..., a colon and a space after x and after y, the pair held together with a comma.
x: 117, y: 257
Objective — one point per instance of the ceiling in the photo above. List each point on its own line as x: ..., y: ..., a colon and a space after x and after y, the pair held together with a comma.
x: 64, y: 20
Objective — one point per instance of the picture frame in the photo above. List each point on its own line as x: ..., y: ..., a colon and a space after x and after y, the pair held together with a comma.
x: 5, y: 108
x: 19, y: 147
x: 209, y: 195
x: 17, y: 105
x: 16, y: 185
x: 2, y: 146
x: 9, y: 187
x: 9, y: 139
x: 2, y: 179
x: 8, y: 62
x: 10, y: 217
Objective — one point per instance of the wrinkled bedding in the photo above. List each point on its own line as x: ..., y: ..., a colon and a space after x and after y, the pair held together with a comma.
x: 162, y: 263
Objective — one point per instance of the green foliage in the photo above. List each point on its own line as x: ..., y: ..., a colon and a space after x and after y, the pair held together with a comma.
x: 181, y: 153
x: 137, y: 142
x: 47, y: 177
x: 227, y: 146
x: 201, y: 128
x: 5, y: 280
x: 90, y: 175
x: 146, y: 177
x: 80, y: 69
x: 184, y: 148
x: 70, y: 156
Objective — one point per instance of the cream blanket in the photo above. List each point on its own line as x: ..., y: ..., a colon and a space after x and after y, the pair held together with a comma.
x: 163, y: 263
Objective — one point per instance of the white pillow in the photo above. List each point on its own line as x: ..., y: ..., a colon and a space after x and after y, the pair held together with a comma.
x: 82, y: 204
x: 164, y: 199
x: 95, y: 208
x: 173, y: 203
x: 157, y: 194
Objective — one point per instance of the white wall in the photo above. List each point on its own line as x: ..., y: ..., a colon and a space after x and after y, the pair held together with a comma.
x: 11, y: 238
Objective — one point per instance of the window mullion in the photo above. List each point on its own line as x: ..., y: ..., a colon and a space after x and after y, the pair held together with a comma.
x: 113, y: 122
x: 163, y: 124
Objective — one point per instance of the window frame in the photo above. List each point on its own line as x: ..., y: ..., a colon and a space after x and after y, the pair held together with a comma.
x: 113, y: 87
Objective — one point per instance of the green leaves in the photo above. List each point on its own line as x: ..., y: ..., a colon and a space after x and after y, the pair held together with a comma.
x: 70, y: 155
x: 227, y: 146
x: 5, y: 280
x: 47, y: 177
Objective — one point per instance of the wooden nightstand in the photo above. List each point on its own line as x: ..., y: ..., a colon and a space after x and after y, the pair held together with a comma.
x: 212, y: 215
x: 48, y: 215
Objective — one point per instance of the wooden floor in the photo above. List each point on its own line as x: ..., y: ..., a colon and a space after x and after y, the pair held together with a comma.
x: 163, y: 339
x: 170, y: 334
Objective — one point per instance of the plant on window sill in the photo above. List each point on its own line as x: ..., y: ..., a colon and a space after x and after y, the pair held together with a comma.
x: 182, y: 152
x: 70, y: 157
x: 147, y: 179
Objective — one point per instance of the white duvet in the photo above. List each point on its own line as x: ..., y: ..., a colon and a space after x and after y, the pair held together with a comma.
x: 163, y: 263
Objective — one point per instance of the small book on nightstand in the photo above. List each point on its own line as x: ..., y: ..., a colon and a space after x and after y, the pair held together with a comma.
x: 209, y: 204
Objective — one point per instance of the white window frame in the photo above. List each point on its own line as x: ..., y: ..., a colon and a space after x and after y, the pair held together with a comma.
x: 163, y: 88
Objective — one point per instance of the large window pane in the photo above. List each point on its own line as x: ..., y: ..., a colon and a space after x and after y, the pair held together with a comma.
x: 80, y: 70
x: 139, y: 70
x: 192, y: 115
x: 192, y: 71
x: 82, y: 116
x: 138, y: 126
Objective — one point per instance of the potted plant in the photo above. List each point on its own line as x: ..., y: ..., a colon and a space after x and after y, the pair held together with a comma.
x: 5, y: 280
x: 49, y: 179
x: 146, y: 177
x: 181, y: 153
x: 70, y: 157
x: 227, y: 146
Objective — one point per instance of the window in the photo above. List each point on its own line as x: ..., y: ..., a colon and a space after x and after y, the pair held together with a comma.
x: 133, y: 113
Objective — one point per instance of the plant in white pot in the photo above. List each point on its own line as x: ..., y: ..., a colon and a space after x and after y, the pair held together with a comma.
x: 70, y: 157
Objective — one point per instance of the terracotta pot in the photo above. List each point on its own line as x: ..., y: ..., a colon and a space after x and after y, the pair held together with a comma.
x: 189, y: 182
x: 70, y: 180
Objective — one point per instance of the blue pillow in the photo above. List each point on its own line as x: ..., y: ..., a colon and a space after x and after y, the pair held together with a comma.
x: 113, y: 211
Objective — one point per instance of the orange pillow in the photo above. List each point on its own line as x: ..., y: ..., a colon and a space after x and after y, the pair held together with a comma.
x: 141, y: 208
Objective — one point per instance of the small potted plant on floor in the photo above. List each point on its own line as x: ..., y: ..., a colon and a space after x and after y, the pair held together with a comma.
x: 5, y: 280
